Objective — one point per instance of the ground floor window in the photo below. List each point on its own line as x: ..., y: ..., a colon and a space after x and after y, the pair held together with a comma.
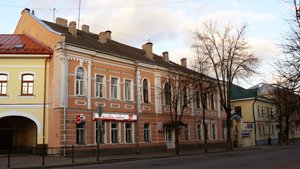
x: 199, y: 132
x: 187, y: 132
x: 128, y: 132
x: 102, y: 132
x: 214, y: 131
x: 114, y: 132
x: 147, y: 132
x: 80, y: 133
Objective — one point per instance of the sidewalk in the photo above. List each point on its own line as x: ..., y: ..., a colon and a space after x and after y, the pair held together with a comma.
x: 35, y: 161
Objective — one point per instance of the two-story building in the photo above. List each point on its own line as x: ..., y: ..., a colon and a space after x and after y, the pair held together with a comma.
x: 256, y: 122
x: 23, y: 79
x: 89, y: 70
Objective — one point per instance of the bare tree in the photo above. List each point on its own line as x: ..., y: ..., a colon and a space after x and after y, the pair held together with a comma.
x: 228, y: 54
x: 205, y: 85
x: 178, y: 96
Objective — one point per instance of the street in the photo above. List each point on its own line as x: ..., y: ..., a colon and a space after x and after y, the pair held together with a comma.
x: 287, y: 157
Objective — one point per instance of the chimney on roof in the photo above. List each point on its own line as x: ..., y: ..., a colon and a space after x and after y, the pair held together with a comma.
x: 104, y: 36
x: 148, y: 49
x: 72, y: 28
x: 183, y: 62
x: 165, y: 56
x: 85, y: 28
x: 62, y: 22
x: 25, y: 10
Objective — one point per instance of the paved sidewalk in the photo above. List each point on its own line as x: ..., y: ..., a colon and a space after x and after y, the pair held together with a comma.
x: 35, y: 161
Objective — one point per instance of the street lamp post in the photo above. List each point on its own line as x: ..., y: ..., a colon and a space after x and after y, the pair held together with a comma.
x: 99, y: 123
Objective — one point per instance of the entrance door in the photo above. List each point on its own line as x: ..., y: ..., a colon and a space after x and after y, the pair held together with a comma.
x: 169, y: 138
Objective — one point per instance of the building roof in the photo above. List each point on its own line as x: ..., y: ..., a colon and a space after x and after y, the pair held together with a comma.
x: 21, y: 44
x: 240, y: 93
x: 90, y: 41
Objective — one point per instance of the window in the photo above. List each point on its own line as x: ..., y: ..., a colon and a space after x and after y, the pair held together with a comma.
x: 102, y: 132
x: 114, y: 132
x: 100, y: 86
x: 187, y: 132
x: 167, y: 94
x: 214, y: 131
x: 27, y: 84
x: 212, y: 102
x: 259, y: 130
x: 79, y: 86
x: 205, y: 100
x: 198, y: 99
x: 238, y: 110
x: 128, y: 90
x: 114, y: 93
x: 3, y: 84
x: 185, y: 102
x: 199, y: 132
x: 147, y: 133
x: 145, y: 91
x: 128, y: 132
x: 80, y: 133
x: 258, y: 111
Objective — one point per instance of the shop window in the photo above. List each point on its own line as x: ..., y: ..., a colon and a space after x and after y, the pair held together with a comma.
x: 101, y: 139
x: 80, y: 133
x: 128, y: 133
x: 147, y: 132
x: 100, y: 86
x: 3, y: 84
x: 27, y: 84
x: 114, y: 132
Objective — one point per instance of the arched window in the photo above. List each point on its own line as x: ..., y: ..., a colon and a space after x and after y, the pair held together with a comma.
x: 145, y: 91
x: 27, y: 84
x: 167, y: 93
x: 3, y: 84
x: 79, y: 86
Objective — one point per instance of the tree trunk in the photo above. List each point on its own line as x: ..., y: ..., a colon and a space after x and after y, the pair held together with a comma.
x: 280, y: 131
x: 229, y: 129
x: 205, y: 130
x: 176, y: 140
x: 287, y: 130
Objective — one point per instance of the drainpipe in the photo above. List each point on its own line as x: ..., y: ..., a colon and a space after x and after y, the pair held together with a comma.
x: 44, y: 102
x: 255, y: 99
x: 65, y: 98
x: 137, y: 108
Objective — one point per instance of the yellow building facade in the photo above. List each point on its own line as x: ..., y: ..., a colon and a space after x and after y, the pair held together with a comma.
x: 22, y: 91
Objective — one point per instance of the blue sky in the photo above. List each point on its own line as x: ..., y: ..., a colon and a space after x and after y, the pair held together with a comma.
x: 168, y: 23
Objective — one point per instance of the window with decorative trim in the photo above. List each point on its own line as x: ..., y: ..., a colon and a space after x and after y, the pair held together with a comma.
x: 100, y: 86
x: 3, y: 84
x: 27, y: 84
x: 145, y: 91
x: 167, y: 93
x: 114, y: 88
x: 128, y: 90
x: 79, y: 82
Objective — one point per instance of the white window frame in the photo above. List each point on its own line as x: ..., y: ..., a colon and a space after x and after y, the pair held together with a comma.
x: 83, y: 93
x: 131, y: 89
x: 118, y: 131
x: 132, y: 132
x: 118, y: 88
x: 104, y: 132
x: 149, y: 132
x: 149, y: 90
x: 103, y: 83
x: 6, y: 87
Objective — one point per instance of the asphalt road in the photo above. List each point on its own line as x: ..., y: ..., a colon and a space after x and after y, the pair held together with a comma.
x: 269, y: 158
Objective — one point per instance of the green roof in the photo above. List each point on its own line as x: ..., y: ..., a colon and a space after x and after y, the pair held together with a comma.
x: 238, y: 92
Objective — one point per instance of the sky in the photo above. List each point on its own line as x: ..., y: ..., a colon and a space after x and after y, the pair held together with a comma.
x: 169, y: 24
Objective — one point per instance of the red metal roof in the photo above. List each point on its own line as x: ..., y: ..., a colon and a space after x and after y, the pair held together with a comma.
x: 21, y: 44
